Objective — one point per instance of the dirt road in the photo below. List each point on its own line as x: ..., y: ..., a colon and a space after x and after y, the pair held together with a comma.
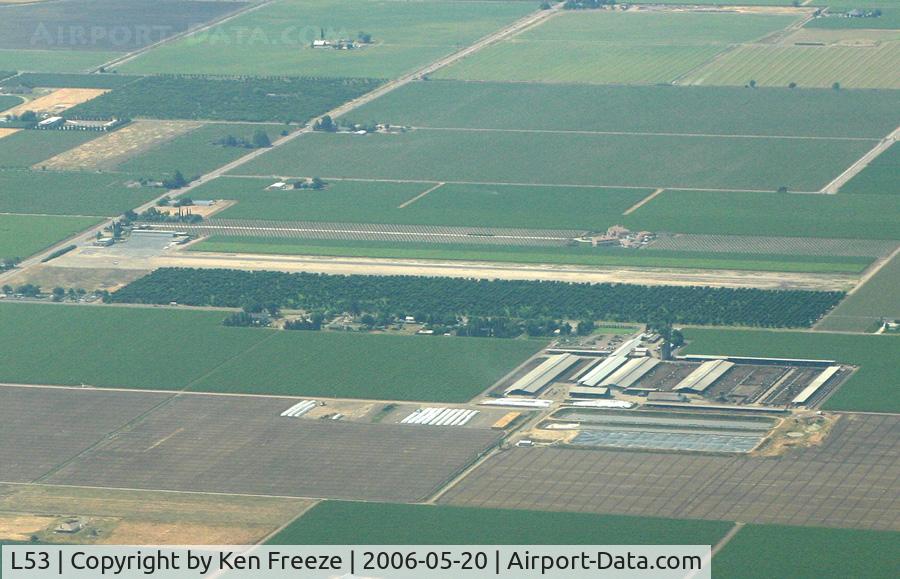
x: 862, y: 163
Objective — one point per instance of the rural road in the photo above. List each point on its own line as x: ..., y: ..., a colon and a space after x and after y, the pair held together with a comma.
x: 120, y: 60
x: 862, y: 163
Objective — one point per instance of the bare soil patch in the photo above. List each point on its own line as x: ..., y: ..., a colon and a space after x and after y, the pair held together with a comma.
x: 115, y: 148
x: 203, y: 211
x: 8, y: 132
x: 58, y: 100
x: 16, y: 527
x: 142, y: 517
x: 49, y: 276
x: 153, y: 533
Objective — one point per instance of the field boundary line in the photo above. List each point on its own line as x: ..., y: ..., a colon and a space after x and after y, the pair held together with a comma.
x: 524, y: 184
x: 874, y: 269
x: 727, y: 538
x: 409, y: 202
x: 226, y: 361
x: 293, y: 520
x: 285, y: 397
x: 52, y: 215
x: 861, y: 163
x: 122, y: 59
x: 643, y: 202
x: 174, y: 492
x: 799, y: 23
x: 642, y: 133
x: 105, y: 438
x: 871, y: 272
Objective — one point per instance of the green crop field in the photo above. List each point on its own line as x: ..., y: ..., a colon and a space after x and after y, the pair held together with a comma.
x: 645, y: 109
x: 807, y: 553
x: 601, y: 257
x: 9, y: 101
x: 225, y: 99
x: 64, y: 193
x: 835, y: 216
x: 451, y: 204
x: 357, y: 523
x: 54, y: 60
x: 563, y: 62
x: 276, y: 40
x: 808, y: 66
x: 30, y: 147
x: 560, y: 159
x: 72, y: 345
x: 24, y: 235
x: 869, y: 389
x: 614, y: 47
x: 880, y: 177
x: 196, y: 152
x: 876, y: 299
x: 383, y: 367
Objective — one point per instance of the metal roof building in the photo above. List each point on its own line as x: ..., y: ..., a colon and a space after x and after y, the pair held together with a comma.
x: 585, y: 392
x: 815, y: 385
x: 627, y: 347
x: 705, y: 376
x: 757, y: 360
x: 596, y: 374
x: 538, y: 379
x: 632, y: 371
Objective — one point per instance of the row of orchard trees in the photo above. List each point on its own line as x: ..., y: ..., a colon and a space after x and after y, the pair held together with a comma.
x: 517, y: 299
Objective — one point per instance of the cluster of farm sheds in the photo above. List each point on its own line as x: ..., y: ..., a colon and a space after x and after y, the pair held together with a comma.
x: 632, y: 373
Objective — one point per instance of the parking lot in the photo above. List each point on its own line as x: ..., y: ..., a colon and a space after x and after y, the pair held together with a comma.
x: 851, y: 480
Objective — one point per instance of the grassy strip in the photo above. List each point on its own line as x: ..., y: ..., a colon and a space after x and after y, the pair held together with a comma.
x: 556, y: 255
x: 24, y: 235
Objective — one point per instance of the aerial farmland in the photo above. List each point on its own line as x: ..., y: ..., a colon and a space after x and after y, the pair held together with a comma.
x: 454, y: 272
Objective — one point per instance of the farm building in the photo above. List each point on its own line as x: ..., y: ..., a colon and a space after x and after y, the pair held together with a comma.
x: 759, y: 361
x: 539, y: 378
x: 602, y: 370
x: 51, y: 123
x: 630, y: 372
x: 666, y: 397
x: 705, y: 376
x: 813, y: 388
x: 587, y: 392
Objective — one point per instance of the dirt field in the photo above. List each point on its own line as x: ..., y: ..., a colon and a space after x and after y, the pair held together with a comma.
x: 142, y: 517
x: 217, y: 444
x: 57, y: 101
x: 8, y: 132
x: 14, y: 527
x: 110, y: 150
x: 50, y: 276
x: 204, y: 212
